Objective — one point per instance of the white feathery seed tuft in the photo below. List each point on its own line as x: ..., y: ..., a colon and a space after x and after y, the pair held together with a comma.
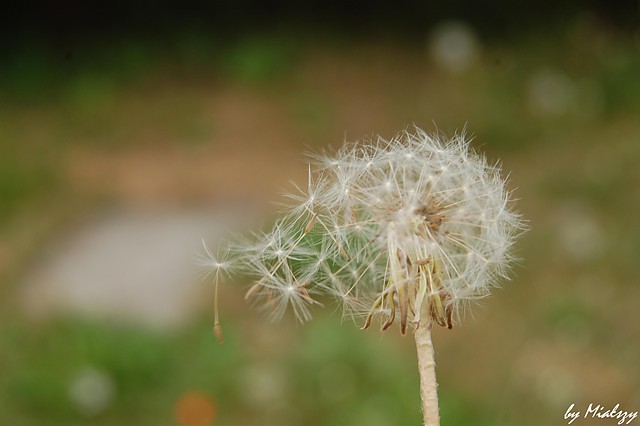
x: 409, y: 229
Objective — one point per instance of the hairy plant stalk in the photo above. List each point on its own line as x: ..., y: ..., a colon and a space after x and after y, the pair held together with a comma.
x: 427, y: 369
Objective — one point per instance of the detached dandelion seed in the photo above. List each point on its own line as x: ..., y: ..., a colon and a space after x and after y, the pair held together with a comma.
x: 218, y: 266
x: 406, y: 231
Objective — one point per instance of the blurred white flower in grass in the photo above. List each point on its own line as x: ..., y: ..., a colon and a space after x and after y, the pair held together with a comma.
x: 454, y: 46
x: 581, y: 238
x: 91, y: 391
x: 551, y: 93
x: 412, y: 228
x: 263, y: 386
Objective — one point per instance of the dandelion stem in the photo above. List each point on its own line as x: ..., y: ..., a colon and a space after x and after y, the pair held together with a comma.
x: 427, y: 369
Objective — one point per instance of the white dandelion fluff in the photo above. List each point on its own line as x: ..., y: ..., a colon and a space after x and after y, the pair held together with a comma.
x: 407, y: 231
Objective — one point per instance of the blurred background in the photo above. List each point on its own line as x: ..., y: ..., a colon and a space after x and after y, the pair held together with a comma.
x: 130, y: 132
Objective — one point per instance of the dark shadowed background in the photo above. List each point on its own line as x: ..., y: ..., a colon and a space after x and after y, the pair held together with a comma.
x: 130, y: 132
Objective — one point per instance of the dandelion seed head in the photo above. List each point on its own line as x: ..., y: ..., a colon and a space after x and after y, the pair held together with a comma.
x: 406, y: 230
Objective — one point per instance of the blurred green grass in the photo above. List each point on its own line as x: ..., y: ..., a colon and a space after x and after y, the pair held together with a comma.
x: 331, y: 375
x: 123, y: 96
